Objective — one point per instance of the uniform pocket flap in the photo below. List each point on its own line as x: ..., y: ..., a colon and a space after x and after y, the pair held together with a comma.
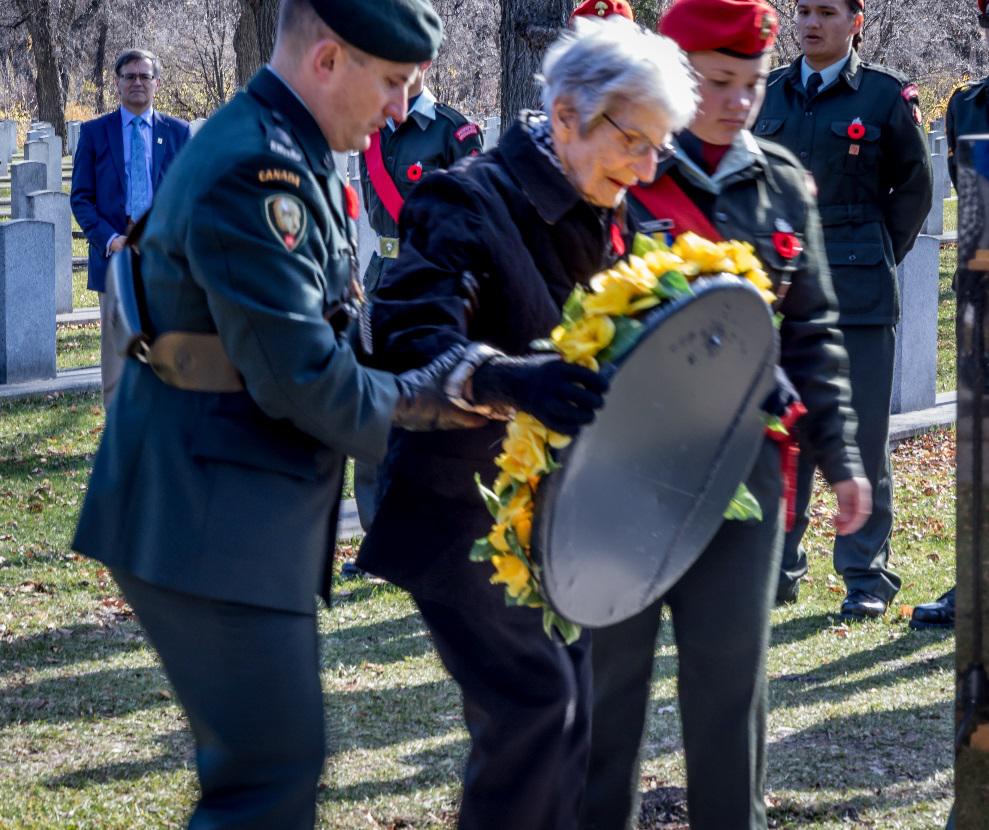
x: 842, y: 128
x: 768, y: 126
x: 850, y: 254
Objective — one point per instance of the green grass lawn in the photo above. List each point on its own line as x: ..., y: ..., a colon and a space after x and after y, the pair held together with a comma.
x: 91, y: 737
x: 946, y: 349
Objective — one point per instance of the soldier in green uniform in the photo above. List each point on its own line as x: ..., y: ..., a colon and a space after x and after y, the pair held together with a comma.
x: 967, y: 114
x: 721, y: 183
x: 214, y: 493
x: 433, y: 137
x: 857, y: 127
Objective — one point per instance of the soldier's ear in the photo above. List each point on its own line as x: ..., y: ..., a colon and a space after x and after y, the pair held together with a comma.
x: 858, y: 23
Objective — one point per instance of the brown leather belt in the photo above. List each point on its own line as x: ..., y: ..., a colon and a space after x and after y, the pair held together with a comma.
x: 192, y: 361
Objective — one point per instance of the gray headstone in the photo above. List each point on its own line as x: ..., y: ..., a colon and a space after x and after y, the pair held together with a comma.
x: 54, y: 143
x: 195, y: 125
x: 72, y: 131
x: 492, y: 131
x: 27, y: 301
x: 932, y: 139
x: 915, y: 368
x: 8, y: 145
x: 26, y: 177
x: 934, y: 224
x: 53, y: 206
x: 37, y: 150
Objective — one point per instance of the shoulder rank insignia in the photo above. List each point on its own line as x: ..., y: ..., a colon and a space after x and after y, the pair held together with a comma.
x: 286, y: 218
x: 466, y: 131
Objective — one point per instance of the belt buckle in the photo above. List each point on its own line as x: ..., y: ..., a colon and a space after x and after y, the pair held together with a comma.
x: 388, y: 247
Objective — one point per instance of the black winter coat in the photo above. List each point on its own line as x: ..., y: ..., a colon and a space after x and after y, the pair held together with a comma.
x: 490, y: 251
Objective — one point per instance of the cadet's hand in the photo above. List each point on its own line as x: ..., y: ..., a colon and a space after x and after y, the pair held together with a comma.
x: 118, y: 244
x: 854, y: 504
x: 561, y: 395
x: 423, y: 405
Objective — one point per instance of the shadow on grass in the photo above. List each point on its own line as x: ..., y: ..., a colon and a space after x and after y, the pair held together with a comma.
x: 392, y: 640
x: 866, y: 750
x: 799, y: 628
x: 72, y: 644
x: 175, y: 754
x: 106, y: 693
x: 435, y: 766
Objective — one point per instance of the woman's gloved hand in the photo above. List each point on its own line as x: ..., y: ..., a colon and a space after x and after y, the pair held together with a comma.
x: 562, y: 395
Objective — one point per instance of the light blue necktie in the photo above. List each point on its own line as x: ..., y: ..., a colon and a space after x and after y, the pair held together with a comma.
x: 140, y: 198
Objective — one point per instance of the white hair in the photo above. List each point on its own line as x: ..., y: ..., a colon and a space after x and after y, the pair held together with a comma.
x: 601, y: 63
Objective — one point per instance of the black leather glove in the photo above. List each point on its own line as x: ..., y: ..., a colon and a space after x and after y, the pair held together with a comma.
x: 423, y: 405
x: 561, y: 395
x: 782, y: 396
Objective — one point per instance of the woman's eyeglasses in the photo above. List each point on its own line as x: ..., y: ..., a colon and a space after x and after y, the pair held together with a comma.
x: 638, y: 146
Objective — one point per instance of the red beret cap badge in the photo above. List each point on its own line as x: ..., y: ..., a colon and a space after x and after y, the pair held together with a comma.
x: 856, y: 130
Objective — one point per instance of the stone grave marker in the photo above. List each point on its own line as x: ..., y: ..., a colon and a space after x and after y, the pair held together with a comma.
x: 54, y: 143
x: 72, y: 133
x: 26, y: 177
x: 27, y: 301
x: 915, y: 367
x: 491, y: 131
x: 53, y: 207
x: 8, y: 144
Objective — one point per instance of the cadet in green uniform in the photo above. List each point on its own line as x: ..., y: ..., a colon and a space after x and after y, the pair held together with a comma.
x: 857, y: 128
x: 722, y: 183
x: 214, y: 493
x: 967, y: 114
x: 433, y: 137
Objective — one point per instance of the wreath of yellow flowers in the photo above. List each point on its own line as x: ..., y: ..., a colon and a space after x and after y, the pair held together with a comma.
x: 599, y: 324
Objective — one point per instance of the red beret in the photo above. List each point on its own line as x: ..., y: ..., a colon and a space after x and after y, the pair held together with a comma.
x: 602, y: 8
x: 743, y: 28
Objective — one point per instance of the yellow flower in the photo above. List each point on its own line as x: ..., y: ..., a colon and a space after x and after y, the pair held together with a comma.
x: 759, y: 279
x: 610, y: 296
x: 520, y: 503
x: 659, y: 262
x: 523, y: 529
x: 512, y: 572
x: 502, y: 483
x: 636, y: 271
x: 708, y: 256
x: 583, y: 340
x: 743, y: 254
x: 497, y: 538
x: 523, y: 456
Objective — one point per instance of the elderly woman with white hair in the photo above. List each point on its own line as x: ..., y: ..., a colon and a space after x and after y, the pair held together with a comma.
x: 490, y: 251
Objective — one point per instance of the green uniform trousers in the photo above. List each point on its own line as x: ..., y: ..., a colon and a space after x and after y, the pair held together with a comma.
x: 248, y: 678
x: 720, y: 613
x: 861, y: 558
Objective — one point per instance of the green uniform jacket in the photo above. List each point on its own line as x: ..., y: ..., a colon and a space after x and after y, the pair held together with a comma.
x: 874, y: 185
x: 234, y: 496
x: 968, y: 113
x: 417, y: 147
x: 764, y: 192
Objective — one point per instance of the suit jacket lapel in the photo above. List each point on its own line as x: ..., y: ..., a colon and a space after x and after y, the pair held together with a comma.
x: 157, y: 148
x: 114, y: 134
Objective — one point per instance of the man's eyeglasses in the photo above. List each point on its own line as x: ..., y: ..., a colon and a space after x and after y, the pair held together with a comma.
x: 638, y: 146
x: 130, y: 77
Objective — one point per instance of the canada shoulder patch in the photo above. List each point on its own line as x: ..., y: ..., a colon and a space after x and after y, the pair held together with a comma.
x: 286, y: 217
x: 279, y: 175
x: 466, y: 131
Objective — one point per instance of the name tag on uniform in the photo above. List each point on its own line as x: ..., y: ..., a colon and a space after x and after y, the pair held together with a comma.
x: 853, y: 149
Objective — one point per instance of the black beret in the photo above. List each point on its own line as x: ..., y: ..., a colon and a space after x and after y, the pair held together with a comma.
x: 403, y: 31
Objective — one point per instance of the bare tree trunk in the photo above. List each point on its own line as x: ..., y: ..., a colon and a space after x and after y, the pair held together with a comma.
x: 48, y: 76
x: 255, y: 36
x: 99, y: 67
x: 527, y: 28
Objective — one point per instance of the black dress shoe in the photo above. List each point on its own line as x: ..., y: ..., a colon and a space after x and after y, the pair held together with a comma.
x: 859, y: 605
x: 787, y: 593
x: 937, y: 614
x: 349, y: 570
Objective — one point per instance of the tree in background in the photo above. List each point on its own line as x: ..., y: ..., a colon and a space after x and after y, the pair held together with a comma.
x: 527, y: 29
x: 255, y: 36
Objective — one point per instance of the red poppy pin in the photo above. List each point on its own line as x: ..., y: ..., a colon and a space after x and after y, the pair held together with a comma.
x: 856, y: 130
x: 351, y: 204
x: 785, y: 241
x: 414, y: 172
x: 617, y: 240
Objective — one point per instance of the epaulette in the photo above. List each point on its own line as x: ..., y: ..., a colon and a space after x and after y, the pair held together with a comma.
x: 448, y: 112
x: 880, y: 69
x: 970, y: 89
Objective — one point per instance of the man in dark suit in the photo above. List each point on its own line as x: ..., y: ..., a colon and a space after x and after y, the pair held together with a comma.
x: 118, y: 167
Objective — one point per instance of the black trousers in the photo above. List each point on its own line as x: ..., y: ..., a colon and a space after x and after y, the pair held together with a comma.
x: 862, y: 558
x: 527, y: 707
x: 248, y: 678
x: 721, y: 624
